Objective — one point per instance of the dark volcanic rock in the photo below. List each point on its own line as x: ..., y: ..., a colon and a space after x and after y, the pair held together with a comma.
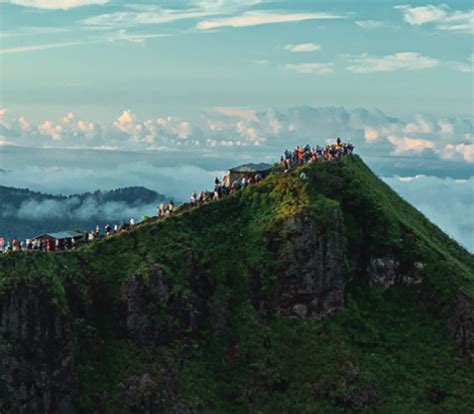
x: 385, y: 272
x: 382, y: 272
x: 141, y: 395
x: 143, y: 299
x: 37, y: 369
x: 314, y: 267
x: 461, y: 324
x: 155, y: 313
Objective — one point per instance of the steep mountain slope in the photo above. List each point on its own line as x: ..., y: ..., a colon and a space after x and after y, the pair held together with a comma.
x: 325, y: 294
x: 26, y: 214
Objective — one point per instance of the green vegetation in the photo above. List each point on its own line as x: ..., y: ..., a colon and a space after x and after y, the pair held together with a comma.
x: 385, y: 352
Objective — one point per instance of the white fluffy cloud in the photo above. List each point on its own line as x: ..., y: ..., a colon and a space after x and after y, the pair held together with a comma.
x: 466, y: 67
x: 303, y: 47
x: 55, y: 131
x: 255, y: 18
x: 136, y: 15
x: 211, y: 15
x: 399, y: 61
x: 454, y: 151
x: 454, y: 215
x: 57, y: 4
x: 442, y: 16
x: 407, y: 145
x: 423, y: 14
x: 66, y: 131
x: 269, y: 131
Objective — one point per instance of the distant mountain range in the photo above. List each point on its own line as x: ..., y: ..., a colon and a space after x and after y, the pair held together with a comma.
x: 25, y: 213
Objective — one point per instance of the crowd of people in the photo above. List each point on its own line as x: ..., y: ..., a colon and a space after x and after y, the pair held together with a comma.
x: 288, y: 161
x: 164, y: 210
x: 44, y: 245
x: 303, y: 155
x: 223, y: 187
x: 49, y: 244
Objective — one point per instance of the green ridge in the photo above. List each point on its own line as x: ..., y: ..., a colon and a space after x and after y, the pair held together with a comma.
x: 263, y: 362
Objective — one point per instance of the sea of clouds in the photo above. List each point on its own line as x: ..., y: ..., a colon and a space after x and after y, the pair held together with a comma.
x: 236, y: 129
x: 428, y: 160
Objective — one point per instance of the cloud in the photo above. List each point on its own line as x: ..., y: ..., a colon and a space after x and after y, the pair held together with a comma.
x: 303, y: 47
x: 73, y: 209
x: 68, y: 129
x: 399, y: 61
x: 465, y: 151
x: 47, y: 128
x: 177, y: 174
x: 423, y: 14
x: 462, y: 22
x: 59, y: 172
x: 442, y: 16
x: 254, y: 18
x: 144, y: 15
x: 369, y: 24
x: 243, y: 113
x: 123, y: 36
x: 466, y: 67
x: 263, y: 132
x: 320, y: 68
x: 418, y: 126
x: 370, y: 134
x: 125, y: 122
x: 57, y: 4
x: 37, y: 47
x: 405, y: 145
x: 226, y: 6
x: 137, y: 14
x: 453, y: 217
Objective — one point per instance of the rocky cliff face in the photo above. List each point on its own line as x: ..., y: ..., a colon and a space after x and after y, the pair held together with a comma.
x: 37, y: 367
x: 461, y: 324
x: 314, y: 268
x: 153, y: 313
x: 37, y: 364
x: 385, y: 272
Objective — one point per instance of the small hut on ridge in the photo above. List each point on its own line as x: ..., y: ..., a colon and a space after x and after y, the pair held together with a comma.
x: 247, y: 170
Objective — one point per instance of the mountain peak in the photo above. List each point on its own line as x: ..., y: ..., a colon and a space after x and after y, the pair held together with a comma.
x: 322, y: 291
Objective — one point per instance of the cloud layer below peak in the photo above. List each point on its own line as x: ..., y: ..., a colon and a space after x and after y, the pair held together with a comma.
x: 372, y: 131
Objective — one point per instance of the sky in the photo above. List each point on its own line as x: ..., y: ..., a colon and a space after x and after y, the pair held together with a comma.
x: 102, y: 94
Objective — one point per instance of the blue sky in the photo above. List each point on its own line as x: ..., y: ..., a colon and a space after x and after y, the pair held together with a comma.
x: 100, y: 94
x: 97, y: 57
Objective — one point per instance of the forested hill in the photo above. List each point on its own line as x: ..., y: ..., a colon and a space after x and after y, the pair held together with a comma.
x: 25, y: 213
x: 322, y: 292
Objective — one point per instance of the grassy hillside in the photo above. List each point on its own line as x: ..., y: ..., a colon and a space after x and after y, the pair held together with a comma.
x: 378, y: 220
x: 387, y: 351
